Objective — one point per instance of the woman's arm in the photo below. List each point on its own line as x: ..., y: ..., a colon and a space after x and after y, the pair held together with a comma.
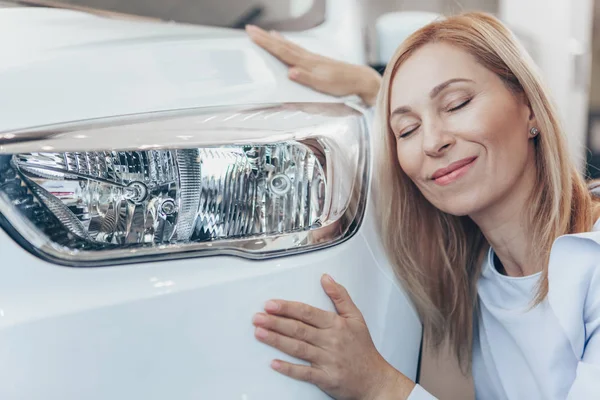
x: 587, y: 377
x: 318, y: 72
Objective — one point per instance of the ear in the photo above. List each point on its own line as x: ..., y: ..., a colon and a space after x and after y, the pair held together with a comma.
x: 531, y: 120
x: 525, y: 102
x: 531, y: 113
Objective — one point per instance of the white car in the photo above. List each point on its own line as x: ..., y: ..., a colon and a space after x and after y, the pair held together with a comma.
x: 158, y: 183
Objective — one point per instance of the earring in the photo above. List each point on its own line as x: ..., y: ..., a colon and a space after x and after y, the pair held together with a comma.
x: 533, y: 132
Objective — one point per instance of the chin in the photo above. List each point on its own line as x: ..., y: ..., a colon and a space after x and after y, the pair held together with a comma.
x: 456, y: 211
x: 460, y: 205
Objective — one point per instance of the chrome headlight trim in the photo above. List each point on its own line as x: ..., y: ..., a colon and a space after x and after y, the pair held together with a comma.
x: 189, y: 129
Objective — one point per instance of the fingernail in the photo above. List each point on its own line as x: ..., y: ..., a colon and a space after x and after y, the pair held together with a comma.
x: 271, y: 306
x: 329, y: 278
x: 294, y: 73
x: 259, y: 319
x: 261, y: 333
x: 275, y: 364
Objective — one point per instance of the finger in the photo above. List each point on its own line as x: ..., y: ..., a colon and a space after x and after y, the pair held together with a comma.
x: 301, y: 312
x: 293, y: 347
x: 283, y: 49
x: 305, y: 78
x: 321, y: 77
x: 301, y: 372
x: 276, y: 34
x: 260, y: 36
x: 288, y: 327
x: 340, y: 297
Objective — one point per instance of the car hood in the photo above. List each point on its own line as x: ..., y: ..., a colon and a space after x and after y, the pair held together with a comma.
x: 63, y: 65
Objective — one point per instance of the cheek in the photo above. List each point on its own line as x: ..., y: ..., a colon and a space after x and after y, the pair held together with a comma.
x: 508, y: 162
x: 408, y: 158
x: 504, y: 145
x: 497, y: 125
x: 507, y: 144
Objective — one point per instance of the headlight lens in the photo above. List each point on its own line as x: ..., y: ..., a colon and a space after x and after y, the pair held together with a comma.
x: 255, y: 182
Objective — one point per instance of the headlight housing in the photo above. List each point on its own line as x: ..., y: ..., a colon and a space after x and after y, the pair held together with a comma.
x: 252, y: 181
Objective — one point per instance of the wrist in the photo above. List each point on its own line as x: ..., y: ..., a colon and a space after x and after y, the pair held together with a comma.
x: 391, y: 385
x: 368, y: 83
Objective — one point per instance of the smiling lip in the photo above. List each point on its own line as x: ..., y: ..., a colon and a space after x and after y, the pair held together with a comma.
x: 444, y: 176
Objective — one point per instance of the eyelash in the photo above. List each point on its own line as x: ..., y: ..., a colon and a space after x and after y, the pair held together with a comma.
x: 458, y: 107
x: 461, y: 105
x: 405, y: 134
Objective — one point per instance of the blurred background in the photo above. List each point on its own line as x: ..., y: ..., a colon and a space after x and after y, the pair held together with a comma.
x: 563, y: 37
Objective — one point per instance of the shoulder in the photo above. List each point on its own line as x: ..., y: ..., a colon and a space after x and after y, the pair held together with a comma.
x: 574, y: 284
x: 574, y: 261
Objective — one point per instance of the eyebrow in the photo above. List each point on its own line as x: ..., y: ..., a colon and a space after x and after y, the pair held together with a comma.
x: 434, y: 92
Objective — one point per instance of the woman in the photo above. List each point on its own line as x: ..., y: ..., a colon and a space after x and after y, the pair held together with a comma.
x: 488, y: 223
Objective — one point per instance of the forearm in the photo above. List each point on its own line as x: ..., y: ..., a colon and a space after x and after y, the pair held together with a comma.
x: 368, y: 82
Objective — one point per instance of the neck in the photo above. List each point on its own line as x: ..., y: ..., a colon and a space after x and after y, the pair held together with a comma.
x: 507, y: 228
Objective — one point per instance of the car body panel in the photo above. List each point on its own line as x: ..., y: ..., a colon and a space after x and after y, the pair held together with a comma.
x: 171, y: 329
x: 179, y: 329
x: 101, y: 67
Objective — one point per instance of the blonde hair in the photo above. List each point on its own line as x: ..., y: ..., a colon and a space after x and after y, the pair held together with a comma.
x: 438, y: 256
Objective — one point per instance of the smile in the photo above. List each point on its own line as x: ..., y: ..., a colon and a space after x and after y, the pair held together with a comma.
x: 445, y: 176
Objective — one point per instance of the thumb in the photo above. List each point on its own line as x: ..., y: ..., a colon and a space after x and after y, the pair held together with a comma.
x: 340, y: 298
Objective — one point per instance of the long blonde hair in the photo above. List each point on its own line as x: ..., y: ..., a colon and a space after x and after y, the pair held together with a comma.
x: 438, y: 256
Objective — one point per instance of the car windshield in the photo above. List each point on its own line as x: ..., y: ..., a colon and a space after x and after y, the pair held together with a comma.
x: 288, y: 15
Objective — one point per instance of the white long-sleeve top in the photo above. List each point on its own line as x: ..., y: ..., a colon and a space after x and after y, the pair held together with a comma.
x: 548, y: 352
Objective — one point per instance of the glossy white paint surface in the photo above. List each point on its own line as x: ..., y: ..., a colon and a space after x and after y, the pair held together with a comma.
x: 180, y: 329
x: 68, y: 65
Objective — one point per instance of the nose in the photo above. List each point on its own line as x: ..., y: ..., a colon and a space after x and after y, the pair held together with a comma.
x: 437, y: 140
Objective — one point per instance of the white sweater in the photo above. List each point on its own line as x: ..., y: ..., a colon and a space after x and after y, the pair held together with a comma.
x: 551, y: 351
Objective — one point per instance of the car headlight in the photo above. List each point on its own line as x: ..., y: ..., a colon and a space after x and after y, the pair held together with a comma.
x: 251, y: 181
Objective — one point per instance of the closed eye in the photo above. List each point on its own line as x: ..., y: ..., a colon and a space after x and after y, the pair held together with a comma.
x: 406, y: 134
x: 461, y: 105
